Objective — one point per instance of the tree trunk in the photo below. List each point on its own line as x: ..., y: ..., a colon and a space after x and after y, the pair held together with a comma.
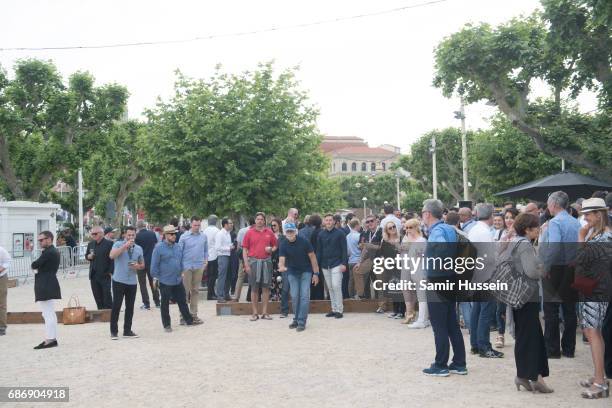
x: 127, y: 187
x: 6, y: 169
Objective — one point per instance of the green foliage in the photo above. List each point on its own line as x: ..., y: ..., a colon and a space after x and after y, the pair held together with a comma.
x: 569, y: 47
x: 237, y: 144
x: 47, y: 128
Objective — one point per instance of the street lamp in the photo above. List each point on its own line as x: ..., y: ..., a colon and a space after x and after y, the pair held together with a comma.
x: 399, y: 173
x: 364, y: 199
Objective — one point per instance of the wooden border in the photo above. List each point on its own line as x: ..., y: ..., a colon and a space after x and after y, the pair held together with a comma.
x: 92, y: 316
x: 316, y: 306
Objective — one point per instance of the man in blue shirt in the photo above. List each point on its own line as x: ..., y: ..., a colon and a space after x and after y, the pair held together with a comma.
x: 332, y: 258
x: 557, y: 250
x: 166, y: 266
x: 299, y: 264
x: 356, y: 280
x: 195, y: 254
x: 441, y: 244
x: 128, y: 259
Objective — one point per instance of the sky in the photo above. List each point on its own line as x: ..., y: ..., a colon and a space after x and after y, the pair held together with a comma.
x: 369, y: 77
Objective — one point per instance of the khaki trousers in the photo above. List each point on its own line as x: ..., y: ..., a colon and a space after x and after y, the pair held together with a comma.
x: 192, y: 279
x: 3, y: 296
x: 240, y: 280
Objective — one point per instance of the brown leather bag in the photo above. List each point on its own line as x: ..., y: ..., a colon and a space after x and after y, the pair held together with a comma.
x: 76, y: 314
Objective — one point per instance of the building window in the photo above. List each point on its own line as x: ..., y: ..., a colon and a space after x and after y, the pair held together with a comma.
x: 354, y: 166
x: 384, y: 166
x: 364, y: 167
x: 343, y: 166
x: 372, y: 166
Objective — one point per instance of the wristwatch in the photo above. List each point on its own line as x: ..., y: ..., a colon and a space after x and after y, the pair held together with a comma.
x: 316, y: 273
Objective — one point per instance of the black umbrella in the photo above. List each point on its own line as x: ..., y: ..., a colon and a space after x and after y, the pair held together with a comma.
x: 575, y: 185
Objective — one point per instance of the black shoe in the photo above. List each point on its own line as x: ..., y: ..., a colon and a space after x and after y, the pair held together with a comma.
x: 568, y: 354
x: 339, y: 315
x: 182, y: 322
x: 168, y: 329
x: 331, y: 314
x: 293, y: 325
x: 2, y: 331
x: 114, y: 336
x: 491, y: 354
x: 555, y: 356
x: 474, y: 350
x: 44, y: 345
x: 300, y: 328
x: 130, y: 335
x: 195, y: 323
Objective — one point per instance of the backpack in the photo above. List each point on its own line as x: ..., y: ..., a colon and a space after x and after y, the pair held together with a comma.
x: 521, y: 288
x: 465, y: 249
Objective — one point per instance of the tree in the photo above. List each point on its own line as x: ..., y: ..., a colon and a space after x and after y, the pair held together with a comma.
x: 569, y: 47
x: 376, y: 189
x: 118, y: 168
x: 47, y: 127
x: 448, y: 164
x: 237, y: 144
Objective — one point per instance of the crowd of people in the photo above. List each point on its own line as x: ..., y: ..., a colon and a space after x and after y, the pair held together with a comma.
x: 564, y: 250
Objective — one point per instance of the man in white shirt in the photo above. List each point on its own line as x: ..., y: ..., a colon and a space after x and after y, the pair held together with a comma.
x: 483, y: 312
x: 292, y: 217
x: 212, y: 268
x: 389, y: 216
x: 5, y: 262
x: 223, y: 247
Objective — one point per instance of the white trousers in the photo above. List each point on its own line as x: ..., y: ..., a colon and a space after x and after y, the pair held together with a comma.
x: 48, y: 313
x: 333, y: 281
x: 423, y: 312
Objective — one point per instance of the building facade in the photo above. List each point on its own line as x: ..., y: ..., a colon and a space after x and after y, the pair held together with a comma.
x: 351, y: 155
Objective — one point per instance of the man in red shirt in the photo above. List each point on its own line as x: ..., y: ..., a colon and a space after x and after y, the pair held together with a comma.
x: 259, y: 242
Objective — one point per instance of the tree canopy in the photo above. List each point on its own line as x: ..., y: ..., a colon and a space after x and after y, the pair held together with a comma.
x: 236, y: 144
x: 47, y: 127
x: 568, y: 46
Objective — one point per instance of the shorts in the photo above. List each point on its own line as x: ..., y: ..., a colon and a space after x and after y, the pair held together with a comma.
x: 261, y: 273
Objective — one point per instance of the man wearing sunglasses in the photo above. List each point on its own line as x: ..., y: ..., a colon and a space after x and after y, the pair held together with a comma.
x: 166, y: 266
x: 101, y: 268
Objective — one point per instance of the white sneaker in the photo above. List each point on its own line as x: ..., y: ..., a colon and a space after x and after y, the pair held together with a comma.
x: 419, y: 325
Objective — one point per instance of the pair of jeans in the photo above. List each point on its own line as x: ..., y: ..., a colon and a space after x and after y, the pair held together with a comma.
x: 176, y: 292
x: 101, y: 289
x: 285, y: 290
x: 346, y: 278
x: 121, y: 290
x: 606, y: 332
x: 480, y: 324
x: 333, y: 281
x: 143, y: 276
x: 500, y: 315
x: 211, y: 274
x: 50, y: 318
x: 567, y: 343
x: 466, y: 311
x: 299, y: 284
x: 223, y: 263
x: 191, y: 281
x: 443, y: 318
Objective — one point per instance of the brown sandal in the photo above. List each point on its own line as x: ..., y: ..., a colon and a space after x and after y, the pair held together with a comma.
x: 254, y: 318
x: 266, y: 317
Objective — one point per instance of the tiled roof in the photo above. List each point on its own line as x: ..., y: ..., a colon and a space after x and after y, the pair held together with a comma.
x: 363, y: 151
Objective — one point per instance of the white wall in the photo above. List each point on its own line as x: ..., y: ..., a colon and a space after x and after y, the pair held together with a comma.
x: 24, y: 217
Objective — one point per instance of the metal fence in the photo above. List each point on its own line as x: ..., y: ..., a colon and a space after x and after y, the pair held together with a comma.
x: 72, y: 261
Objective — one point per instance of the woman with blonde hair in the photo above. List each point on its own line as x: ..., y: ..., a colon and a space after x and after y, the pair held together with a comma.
x: 413, y: 246
x: 594, y: 284
x: 389, y: 248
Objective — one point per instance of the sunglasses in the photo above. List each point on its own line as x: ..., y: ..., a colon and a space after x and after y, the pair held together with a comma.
x: 95, y: 233
x: 391, y: 228
x: 369, y: 221
x: 170, y: 233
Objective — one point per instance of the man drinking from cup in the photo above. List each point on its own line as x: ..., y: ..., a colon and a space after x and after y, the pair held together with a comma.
x: 129, y: 259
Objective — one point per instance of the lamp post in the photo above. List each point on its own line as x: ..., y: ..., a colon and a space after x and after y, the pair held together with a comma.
x: 432, y: 150
x: 364, y: 199
x: 461, y: 115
